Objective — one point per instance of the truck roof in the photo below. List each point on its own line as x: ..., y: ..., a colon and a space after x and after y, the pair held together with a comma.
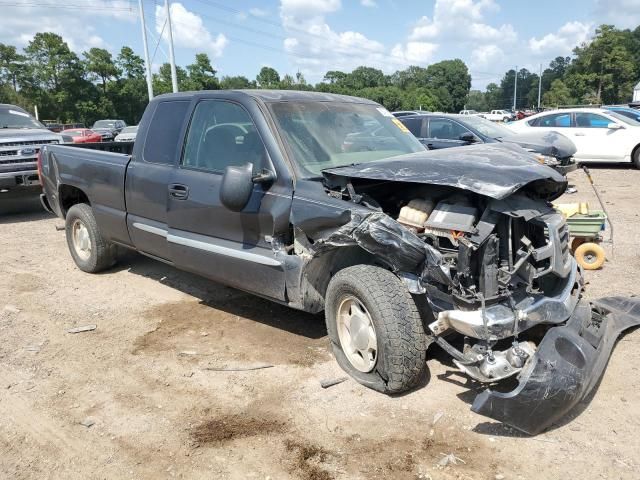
x: 271, y: 96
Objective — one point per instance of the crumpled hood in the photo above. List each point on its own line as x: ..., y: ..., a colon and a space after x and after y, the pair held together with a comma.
x: 553, y: 144
x: 30, y: 133
x: 493, y: 170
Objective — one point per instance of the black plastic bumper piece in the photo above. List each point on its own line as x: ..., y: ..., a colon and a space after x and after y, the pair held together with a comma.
x: 567, y: 365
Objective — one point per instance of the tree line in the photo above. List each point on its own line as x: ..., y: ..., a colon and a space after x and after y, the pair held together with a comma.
x: 603, y: 71
x: 71, y: 88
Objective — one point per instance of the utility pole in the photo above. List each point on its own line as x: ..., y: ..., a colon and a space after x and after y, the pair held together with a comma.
x: 539, y: 86
x: 172, y: 57
x: 146, y: 50
x: 515, y: 88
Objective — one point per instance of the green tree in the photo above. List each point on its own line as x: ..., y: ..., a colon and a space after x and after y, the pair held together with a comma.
x: 235, y: 83
x: 268, y: 78
x: 202, y: 75
x: 131, y: 65
x: 493, y: 97
x: 162, y: 80
x: 557, y: 95
x: 476, y: 101
x: 335, y: 77
x: 11, y: 65
x: 100, y: 65
x: 365, y: 77
x: 450, y: 79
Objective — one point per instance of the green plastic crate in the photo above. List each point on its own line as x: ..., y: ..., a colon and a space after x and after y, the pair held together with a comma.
x: 589, y: 225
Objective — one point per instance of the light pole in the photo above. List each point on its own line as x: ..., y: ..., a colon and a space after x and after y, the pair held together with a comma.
x: 146, y: 50
x: 515, y: 88
x: 172, y: 57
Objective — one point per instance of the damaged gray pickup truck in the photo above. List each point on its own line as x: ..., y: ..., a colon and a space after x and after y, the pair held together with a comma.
x: 325, y: 202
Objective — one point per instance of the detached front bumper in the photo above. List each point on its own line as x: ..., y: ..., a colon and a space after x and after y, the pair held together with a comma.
x: 567, y: 365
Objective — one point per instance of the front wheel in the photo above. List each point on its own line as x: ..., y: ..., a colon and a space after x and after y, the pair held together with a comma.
x: 375, y: 329
x: 635, y: 157
x: 89, y: 250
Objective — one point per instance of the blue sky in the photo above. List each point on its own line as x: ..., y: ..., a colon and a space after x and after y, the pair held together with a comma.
x: 313, y: 36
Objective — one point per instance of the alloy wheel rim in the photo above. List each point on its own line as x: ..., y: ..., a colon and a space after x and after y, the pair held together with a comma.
x: 357, y: 334
x: 81, y: 239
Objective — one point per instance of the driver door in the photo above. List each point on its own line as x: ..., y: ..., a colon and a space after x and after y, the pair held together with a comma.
x: 444, y: 133
x: 204, y: 236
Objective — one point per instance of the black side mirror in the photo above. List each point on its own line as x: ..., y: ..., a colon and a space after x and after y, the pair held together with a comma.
x: 468, y: 137
x: 237, y: 185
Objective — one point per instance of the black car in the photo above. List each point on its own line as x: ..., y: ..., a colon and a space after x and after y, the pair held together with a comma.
x: 437, y: 131
x: 108, y: 129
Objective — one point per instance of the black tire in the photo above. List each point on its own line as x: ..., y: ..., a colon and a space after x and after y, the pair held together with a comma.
x: 635, y: 157
x: 103, y: 254
x: 400, y: 334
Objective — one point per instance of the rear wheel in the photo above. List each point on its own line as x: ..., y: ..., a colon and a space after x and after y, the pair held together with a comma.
x: 635, y: 157
x: 375, y: 328
x: 91, y: 252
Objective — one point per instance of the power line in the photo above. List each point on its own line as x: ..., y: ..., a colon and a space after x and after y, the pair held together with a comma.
x: 68, y: 6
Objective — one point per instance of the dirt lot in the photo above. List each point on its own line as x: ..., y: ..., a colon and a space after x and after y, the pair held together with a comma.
x: 146, y: 378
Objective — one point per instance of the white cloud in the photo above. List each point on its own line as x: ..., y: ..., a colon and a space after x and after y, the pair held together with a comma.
x: 570, y: 35
x: 462, y: 21
x: 316, y: 48
x: 621, y: 13
x: 189, y: 30
x: 23, y: 19
x: 485, y: 56
x: 368, y: 3
x: 414, y: 52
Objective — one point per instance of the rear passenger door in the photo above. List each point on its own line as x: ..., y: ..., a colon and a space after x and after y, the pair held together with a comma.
x: 204, y: 236
x: 148, y: 175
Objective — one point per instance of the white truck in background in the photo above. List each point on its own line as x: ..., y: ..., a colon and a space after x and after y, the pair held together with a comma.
x: 21, y: 137
x: 498, y: 116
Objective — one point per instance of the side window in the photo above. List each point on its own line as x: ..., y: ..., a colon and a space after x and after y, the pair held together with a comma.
x: 161, y: 143
x: 445, y: 129
x: 562, y: 120
x: 222, y: 134
x: 591, y: 120
x: 413, y: 124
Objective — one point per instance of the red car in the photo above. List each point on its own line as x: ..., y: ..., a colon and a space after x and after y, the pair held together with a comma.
x: 82, y: 135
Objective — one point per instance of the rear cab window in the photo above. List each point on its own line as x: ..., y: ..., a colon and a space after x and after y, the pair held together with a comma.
x: 163, y: 136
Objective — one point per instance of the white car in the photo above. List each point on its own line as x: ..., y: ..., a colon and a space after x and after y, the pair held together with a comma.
x: 599, y: 135
x: 468, y: 112
x: 497, y: 116
x: 128, y: 134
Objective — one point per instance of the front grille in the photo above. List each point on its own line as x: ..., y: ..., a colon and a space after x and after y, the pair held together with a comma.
x: 27, y: 142
x: 563, y: 233
x: 19, y: 169
x: 17, y: 160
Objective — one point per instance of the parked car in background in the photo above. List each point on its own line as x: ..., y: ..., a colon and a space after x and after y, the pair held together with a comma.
x: 21, y: 137
x: 405, y: 113
x: 82, y: 135
x: 53, y: 126
x: 128, y: 134
x: 626, y: 111
x: 498, y: 116
x: 108, y: 128
x: 468, y: 112
x: 600, y: 135
x: 437, y: 131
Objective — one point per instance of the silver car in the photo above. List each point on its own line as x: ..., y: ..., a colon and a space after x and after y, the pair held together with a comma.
x: 128, y: 134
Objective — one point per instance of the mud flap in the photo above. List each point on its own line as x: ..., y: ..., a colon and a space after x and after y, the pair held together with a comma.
x: 568, y: 364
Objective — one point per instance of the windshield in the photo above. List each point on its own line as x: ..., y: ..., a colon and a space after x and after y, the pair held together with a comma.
x: 104, y: 124
x: 487, y: 127
x: 623, y: 118
x: 129, y: 130
x: 324, y: 135
x: 11, y: 118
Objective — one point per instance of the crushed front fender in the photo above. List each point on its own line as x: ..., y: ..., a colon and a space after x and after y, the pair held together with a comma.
x: 568, y: 364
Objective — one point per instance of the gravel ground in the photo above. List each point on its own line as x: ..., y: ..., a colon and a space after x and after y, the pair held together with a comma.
x: 140, y: 396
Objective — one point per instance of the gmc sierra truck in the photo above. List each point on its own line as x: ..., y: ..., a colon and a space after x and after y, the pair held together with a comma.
x: 327, y: 203
x: 21, y: 137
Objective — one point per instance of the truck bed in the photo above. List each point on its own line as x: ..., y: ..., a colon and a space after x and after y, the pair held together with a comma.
x: 99, y: 174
